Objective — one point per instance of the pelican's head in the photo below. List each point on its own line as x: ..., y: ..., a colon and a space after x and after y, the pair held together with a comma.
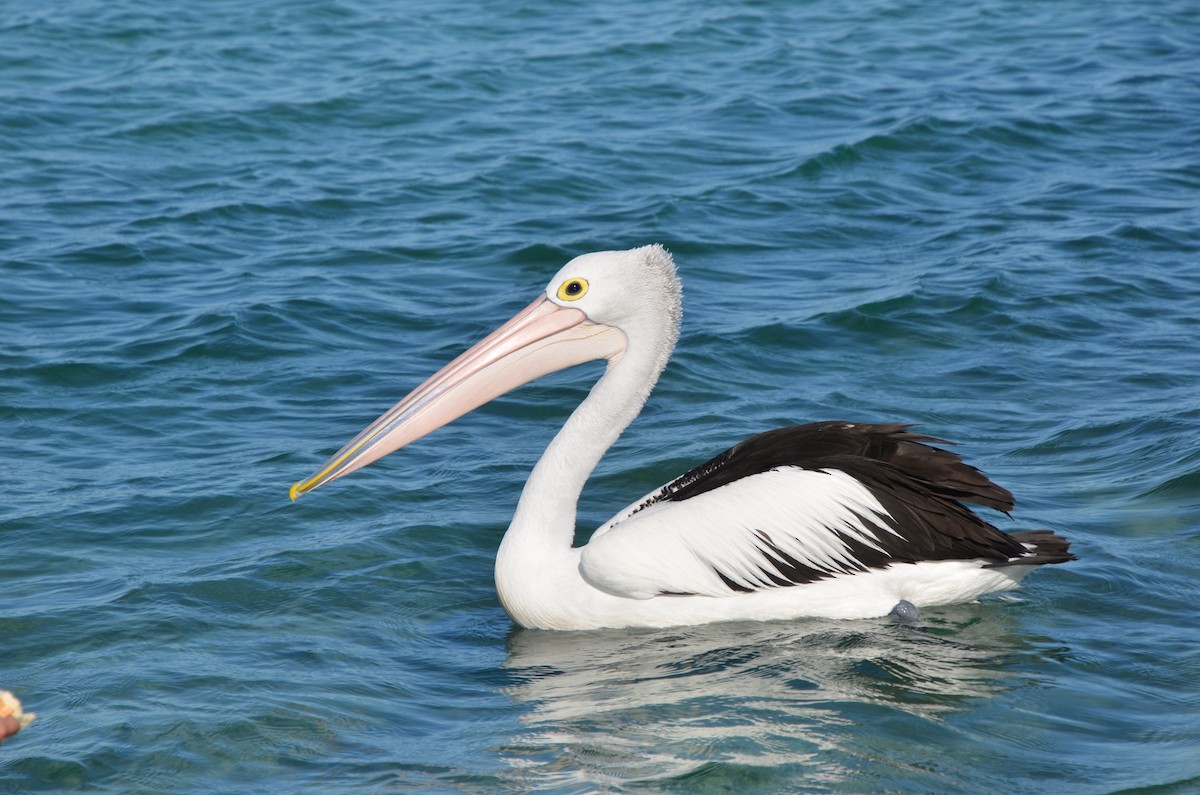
x: 623, y: 289
x: 596, y: 307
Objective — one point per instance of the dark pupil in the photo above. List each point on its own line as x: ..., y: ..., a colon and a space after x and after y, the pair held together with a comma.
x: 574, y: 288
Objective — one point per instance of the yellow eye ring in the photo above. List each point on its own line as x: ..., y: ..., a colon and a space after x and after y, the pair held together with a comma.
x: 573, y: 289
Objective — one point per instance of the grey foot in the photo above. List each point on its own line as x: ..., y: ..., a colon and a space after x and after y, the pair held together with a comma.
x: 906, y: 612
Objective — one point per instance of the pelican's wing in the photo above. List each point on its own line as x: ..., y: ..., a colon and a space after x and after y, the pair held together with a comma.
x: 796, y: 505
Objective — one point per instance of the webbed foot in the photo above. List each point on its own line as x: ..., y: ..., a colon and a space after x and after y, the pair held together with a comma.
x: 905, y: 612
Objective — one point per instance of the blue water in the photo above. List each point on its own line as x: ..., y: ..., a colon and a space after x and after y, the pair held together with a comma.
x: 233, y: 233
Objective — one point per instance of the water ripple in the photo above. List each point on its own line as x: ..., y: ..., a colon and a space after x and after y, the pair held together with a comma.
x: 233, y: 234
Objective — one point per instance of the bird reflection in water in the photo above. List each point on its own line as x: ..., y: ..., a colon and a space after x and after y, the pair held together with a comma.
x: 819, y: 698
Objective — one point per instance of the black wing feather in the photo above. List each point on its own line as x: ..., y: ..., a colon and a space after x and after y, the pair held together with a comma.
x: 923, y: 489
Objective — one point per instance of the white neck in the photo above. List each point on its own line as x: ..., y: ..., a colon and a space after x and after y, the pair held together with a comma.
x: 535, y: 559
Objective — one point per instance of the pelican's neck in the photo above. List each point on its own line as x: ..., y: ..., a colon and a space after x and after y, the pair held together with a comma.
x: 551, y: 495
x: 537, y: 546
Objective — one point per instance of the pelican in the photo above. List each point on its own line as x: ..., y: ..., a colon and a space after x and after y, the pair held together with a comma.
x: 831, y: 519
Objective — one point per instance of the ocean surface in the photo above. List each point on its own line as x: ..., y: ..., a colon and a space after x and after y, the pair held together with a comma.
x: 232, y: 233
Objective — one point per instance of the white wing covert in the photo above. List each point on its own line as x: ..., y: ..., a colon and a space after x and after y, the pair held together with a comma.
x: 782, y: 527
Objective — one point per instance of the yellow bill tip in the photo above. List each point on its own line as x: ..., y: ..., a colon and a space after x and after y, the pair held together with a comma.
x: 294, y: 491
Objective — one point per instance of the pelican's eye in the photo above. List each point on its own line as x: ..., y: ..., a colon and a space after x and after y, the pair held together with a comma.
x: 572, y: 289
